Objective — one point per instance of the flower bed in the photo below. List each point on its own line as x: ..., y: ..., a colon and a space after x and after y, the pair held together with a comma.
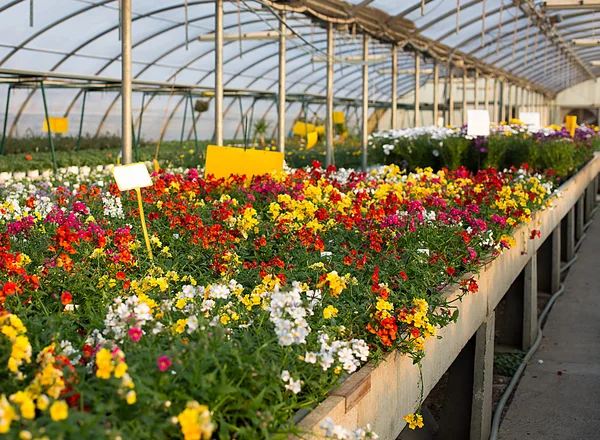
x: 378, y: 393
x: 260, y: 298
x: 552, y: 148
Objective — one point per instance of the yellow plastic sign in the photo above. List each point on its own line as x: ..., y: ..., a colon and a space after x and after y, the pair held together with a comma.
x: 571, y: 124
x: 339, y: 118
x: 57, y: 125
x: 225, y: 161
x: 311, y: 140
x: 302, y: 128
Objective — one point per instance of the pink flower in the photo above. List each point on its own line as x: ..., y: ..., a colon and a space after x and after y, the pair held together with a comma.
x: 135, y: 334
x: 163, y: 363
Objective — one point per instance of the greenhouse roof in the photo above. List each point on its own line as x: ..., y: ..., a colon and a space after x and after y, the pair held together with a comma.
x: 519, y: 41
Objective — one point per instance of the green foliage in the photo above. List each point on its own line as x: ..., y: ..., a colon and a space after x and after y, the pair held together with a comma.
x: 506, y: 364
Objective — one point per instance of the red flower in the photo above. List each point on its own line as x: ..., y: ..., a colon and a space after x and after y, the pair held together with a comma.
x: 28, y: 157
x: 135, y: 334
x: 9, y: 288
x: 66, y: 298
x: 403, y: 276
x: 164, y: 363
x: 451, y: 271
x: 120, y: 275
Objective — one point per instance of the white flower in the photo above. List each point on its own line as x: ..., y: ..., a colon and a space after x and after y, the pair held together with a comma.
x: 295, y: 386
x: 285, y: 375
x: 192, y: 324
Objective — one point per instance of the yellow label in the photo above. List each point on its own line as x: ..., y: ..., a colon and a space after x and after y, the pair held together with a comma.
x: 302, y: 128
x: 311, y: 140
x: 57, y: 125
x: 571, y: 124
x: 339, y: 118
x: 225, y: 161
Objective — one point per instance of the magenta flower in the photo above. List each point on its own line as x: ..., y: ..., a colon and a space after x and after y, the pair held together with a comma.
x: 135, y: 334
x: 164, y: 363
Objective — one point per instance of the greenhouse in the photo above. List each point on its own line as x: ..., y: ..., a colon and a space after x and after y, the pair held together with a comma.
x: 299, y: 219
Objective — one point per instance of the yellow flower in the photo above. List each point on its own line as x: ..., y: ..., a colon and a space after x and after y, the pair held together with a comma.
x: 120, y: 370
x: 104, y: 363
x: 28, y: 409
x: 131, y: 397
x: 414, y: 420
x: 25, y: 435
x: 330, y: 312
x: 43, y: 402
x: 7, y: 415
x: 59, y: 411
x: 195, y: 422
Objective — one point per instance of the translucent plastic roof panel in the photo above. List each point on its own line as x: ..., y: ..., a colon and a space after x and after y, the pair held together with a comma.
x: 81, y: 37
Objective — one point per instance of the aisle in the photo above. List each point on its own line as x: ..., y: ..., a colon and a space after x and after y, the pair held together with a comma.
x: 560, y: 398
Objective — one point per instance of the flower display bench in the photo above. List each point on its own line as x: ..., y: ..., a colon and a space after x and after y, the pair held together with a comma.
x: 380, y: 395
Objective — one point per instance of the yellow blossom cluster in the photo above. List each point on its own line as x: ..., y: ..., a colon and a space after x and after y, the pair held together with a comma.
x: 257, y: 298
x: 12, y: 327
x: 113, y: 363
x: 418, y: 318
x: 414, y: 420
x: 335, y: 283
x: 196, y: 422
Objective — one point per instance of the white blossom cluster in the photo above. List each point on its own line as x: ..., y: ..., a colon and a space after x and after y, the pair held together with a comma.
x: 112, y: 206
x: 339, y: 432
x: 295, y: 386
x: 123, y: 315
x: 348, y: 354
x: 288, y: 315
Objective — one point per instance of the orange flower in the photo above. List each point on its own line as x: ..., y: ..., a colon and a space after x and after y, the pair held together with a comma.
x: 28, y: 157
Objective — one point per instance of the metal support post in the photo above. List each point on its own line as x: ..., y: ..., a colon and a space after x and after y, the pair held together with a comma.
x: 81, y: 120
x: 579, y: 219
x: 436, y: 97
x: 126, y: 89
x: 139, y: 130
x: 183, y: 122
x: 417, y: 88
x: 476, y: 94
x: 395, y: 87
x: 496, y: 86
x: 219, y: 72
x: 509, y: 112
x: 450, y: 96
x: 329, y: 158
x: 193, y: 122
x: 365, y: 103
x: 486, y: 93
x: 464, y: 97
x: 282, y: 86
x: 50, y: 141
x: 2, y: 151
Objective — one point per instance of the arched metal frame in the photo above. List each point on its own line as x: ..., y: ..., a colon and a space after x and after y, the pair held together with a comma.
x: 517, y: 26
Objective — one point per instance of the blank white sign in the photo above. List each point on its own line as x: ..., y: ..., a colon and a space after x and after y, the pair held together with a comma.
x: 132, y: 176
x: 531, y: 119
x: 478, y: 123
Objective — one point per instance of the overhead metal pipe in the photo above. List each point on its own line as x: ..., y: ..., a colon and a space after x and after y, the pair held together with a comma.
x: 394, y: 87
x: 282, y: 90
x: 417, y: 89
x: 365, y: 103
x: 329, y: 157
x: 126, y: 85
x: 219, y: 72
x: 436, y: 98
